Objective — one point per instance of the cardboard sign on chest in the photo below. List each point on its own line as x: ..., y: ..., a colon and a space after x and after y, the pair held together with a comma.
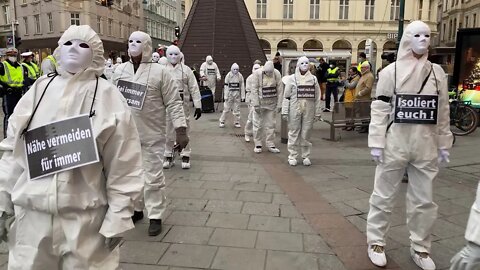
x: 416, y: 109
x: 134, y: 93
x: 234, y: 86
x: 211, y: 71
x: 306, y: 91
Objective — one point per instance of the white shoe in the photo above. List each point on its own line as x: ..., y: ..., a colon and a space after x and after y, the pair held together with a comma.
x: 247, y: 138
x: 422, y: 260
x: 222, y: 124
x: 274, y: 149
x: 377, y: 255
x: 168, y: 163
x: 257, y: 149
x: 292, y: 162
x: 237, y: 125
x: 307, y: 162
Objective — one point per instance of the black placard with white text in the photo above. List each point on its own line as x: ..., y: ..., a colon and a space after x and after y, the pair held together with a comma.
x: 269, y: 92
x: 60, y: 146
x: 416, y: 109
x: 306, y: 91
x: 134, y: 93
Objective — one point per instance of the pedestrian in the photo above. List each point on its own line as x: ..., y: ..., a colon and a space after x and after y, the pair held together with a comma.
x: 13, y: 84
x: 401, y: 141
x: 363, y: 92
x: 210, y: 73
x: 362, y: 59
x: 301, y: 105
x: 187, y: 86
x: 266, y: 98
x: 349, y: 97
x: 234, y: 93
x: 49, y: 64
x: 321, y: 76
x: 109, y: 69
x: 248, y: 100
x: 72, y: 218
x: 277, y: 62
x: 33, y: 70
x: 332, y: 77
x: 156, y: 95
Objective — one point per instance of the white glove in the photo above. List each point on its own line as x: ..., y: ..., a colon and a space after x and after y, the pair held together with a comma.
x: 112, y: 242
x: 467, y: 259
x: 377, y: 155
x: 3, y: 228
x: 443, y: 156
x: 285, y: 117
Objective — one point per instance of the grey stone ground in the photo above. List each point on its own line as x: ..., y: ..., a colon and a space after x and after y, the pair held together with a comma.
x: 227, y: 213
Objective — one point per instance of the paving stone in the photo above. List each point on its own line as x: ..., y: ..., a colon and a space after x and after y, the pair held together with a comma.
x: 280, y: 241
x: 264, y: 209
x: 358, y: 222
x: 277, y: 260
x: 460, y: 220
x: 189, y: 256
x: 345, y: 210
x: 361, y: 205
x: 239, y: 259
x: 187, y: 218
x: 273, y: 189
x: 221, y: 194
x: 188, y: 235
x: 218, y: 185
x: 187, y: 184
x: 454, y: 243
x: 244, y: 178
x: 245, y: 186
x: 187, y: 193
x: 345, y: 194
x: 214, y: 169
x: 224, y: 206
x: 330, y: 262
x: 444, y: 229
x: 289, y: 211
x: 265, y: 223
x: 281, y: 199
x: 313, y: 243
x: 248, y: 196
x: 140, y: 233
x: 131, y: 266
x: 215, y: 177
x: 187, y: 204
x: 142, y: 252
x: 300, y: 226
x: 233, y: 238
x: 232, y: 221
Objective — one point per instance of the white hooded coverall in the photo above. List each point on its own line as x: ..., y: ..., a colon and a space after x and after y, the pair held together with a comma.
x: 162, y: 98
x: 301, y: 108
x: 187, y: 86
x: 212, y: 73
x: 62, y: 220
x: 410, y: 147
x: 233, y: 94
x: 265, y: 106
x: 248, y: 90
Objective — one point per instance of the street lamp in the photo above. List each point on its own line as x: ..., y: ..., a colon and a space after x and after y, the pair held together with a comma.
x: 14, y: 22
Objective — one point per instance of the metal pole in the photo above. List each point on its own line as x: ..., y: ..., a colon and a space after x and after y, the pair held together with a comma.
x: 13, y: 33
x: 401, y: 21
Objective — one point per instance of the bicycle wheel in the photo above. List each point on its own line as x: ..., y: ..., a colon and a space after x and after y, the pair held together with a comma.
x: 465, y: 120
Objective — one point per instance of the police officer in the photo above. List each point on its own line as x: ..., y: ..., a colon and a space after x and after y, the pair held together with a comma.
x: 32, y: 69
x: 362, y: 58
x: 49, y: 64
x: 12, y: 82
x: 332, y: 75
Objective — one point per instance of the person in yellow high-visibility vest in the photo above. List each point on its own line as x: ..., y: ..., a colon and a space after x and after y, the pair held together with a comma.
x: 362, y: 58
x: 12, y: 82
x: 32, y: 69
x: 333, y: 77
x: 49, y: 64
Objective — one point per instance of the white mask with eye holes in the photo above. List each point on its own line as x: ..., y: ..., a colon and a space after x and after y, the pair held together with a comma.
x: 135, y: 45
x: 76, y: 55
x: 155, y: 57
x: 235, y: 68
x: 421, y: 41
x: 173, y: 54
x: 303, y: 64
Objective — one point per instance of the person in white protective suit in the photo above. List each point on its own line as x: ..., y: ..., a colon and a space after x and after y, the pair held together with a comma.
x: 210, y: 74
x: 163, y: 61
x: 301, y: 105
x: 410, y: 140
x: 109, y: 69
x: 248, y: 90
x: 469, y: 257
x: 234, y: 93
x: 187, y: 86
x: 266, y: 98
x: 71, y: 219
x: 161, y: 98
x: 155, y: 57
x: 118, y: 61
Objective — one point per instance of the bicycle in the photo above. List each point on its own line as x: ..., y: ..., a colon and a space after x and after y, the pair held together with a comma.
x: 463, y: 117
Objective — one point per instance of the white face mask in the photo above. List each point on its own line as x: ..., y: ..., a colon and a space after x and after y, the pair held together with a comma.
x: 303, y: 65
x: 135, y: 45
x: 420, y: 42
x: 119, y: 60
x: 12, y: 59
x: 76, y: 55
x: 173, y: 55
x: 155, y: 57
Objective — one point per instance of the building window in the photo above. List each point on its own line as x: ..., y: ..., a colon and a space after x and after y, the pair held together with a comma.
x: 466, y: 22
x: 50, y: 22
x: 394, y: 9
x: 261, y: 9
x: 6, y: 14
x: 474, y: 20
x: 314, y: 9
x: 99, y: 24
x: 24, y: 1
x: 74, y: 18
x: 343, y: 14
x: 454, y: 29
x: 110, y: 25
x: 430, y: 10
x: 420, y: 7
x: 444, y: 31
x: 149, y: 27
x: 121, y: 31
x: 450, y: 29
x: 36, y: 20
x: 288, y: 9
x: 25, y: 23
x: 369, y: 9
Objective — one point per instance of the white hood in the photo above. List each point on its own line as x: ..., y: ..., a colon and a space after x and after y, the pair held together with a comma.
x: 146, y: 45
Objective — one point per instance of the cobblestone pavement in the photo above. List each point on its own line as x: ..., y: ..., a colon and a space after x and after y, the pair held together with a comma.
x: 238, y: 210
